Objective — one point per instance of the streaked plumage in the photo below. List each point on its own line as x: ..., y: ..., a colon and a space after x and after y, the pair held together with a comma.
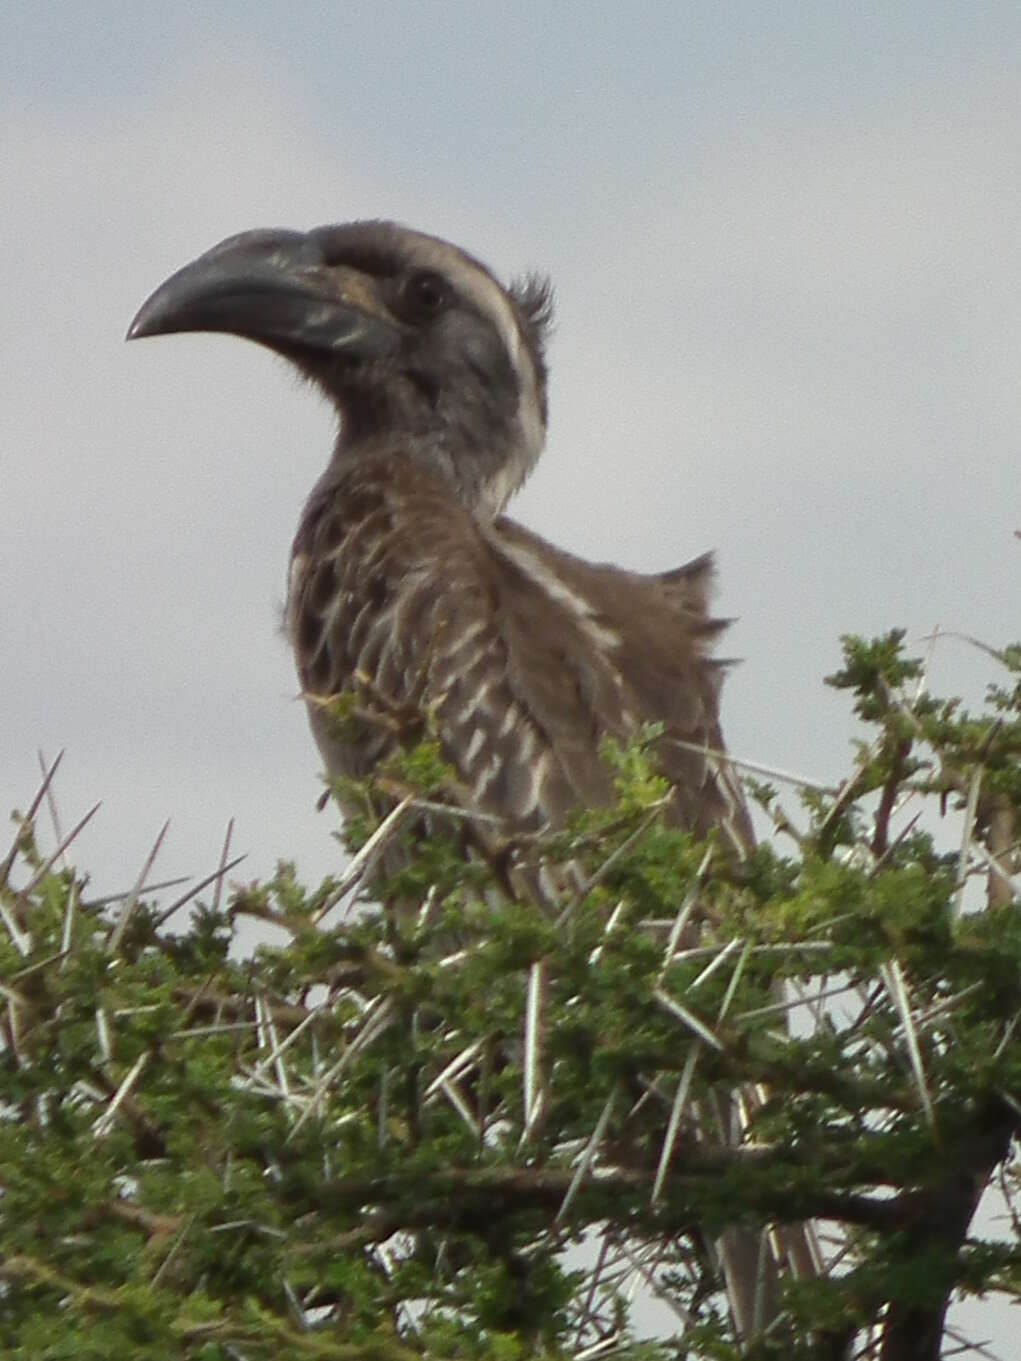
x: 406, y: 578
x: 525, y: 656
x: 404, y: 572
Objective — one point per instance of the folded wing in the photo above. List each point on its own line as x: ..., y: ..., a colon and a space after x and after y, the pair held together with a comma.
x: 526, y: 656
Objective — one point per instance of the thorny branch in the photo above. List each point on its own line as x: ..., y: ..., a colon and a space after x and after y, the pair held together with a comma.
x: 325, y: 1151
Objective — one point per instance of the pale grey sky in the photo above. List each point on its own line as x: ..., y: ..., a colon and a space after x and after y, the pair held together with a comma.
x: 785, y: 241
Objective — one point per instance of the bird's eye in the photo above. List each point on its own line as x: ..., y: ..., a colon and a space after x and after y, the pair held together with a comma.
x: 425, y: 293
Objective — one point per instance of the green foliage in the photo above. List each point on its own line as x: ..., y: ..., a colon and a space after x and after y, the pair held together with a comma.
x: 435, y: 1127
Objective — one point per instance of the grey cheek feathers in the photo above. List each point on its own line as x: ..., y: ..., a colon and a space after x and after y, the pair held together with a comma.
x: 523, y: 441
x: 528, y: 432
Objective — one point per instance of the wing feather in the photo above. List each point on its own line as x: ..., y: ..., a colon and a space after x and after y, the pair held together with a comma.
x: 525, y: 655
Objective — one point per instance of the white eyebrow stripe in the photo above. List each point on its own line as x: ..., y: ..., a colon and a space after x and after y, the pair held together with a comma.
x: 478, y: 284
x: 472, y: 278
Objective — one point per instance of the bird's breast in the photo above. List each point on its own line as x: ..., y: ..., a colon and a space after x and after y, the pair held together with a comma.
x: 370, y: 571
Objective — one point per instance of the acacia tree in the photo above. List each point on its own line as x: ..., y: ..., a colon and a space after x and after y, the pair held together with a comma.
x: 465, y: 1125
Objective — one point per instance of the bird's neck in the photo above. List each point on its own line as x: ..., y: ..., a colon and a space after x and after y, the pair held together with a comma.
x: 482, y: 477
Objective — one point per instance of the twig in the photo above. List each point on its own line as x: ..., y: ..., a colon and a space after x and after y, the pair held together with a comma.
x: 117, y: 934
x: 966, y: 833
x: 28, y: 819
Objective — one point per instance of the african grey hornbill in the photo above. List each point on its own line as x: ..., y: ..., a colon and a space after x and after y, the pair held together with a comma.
x: 404, y: 572
x: 406, y: 576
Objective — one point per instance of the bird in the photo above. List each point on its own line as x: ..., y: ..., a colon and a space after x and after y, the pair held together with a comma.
x: 407, y: 578
x: 408, y: 581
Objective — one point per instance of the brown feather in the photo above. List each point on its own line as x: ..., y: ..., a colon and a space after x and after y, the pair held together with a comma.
x: 526, y: 656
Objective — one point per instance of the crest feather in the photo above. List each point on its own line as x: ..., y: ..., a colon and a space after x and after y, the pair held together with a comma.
x: 533, y: 297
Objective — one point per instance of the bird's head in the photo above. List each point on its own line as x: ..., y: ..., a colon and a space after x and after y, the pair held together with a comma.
x: 414, y: 342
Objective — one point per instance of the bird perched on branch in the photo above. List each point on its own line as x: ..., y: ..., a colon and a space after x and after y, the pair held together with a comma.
x: 407, y: 579
x: 405, y: 575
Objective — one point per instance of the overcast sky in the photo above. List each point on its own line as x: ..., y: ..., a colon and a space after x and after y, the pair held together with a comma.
x: 785, y: 242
